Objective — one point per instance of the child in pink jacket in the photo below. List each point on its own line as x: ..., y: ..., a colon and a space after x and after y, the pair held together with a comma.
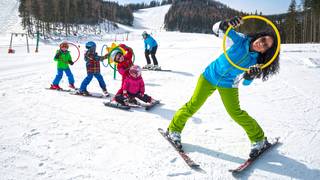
x: 133, y: 87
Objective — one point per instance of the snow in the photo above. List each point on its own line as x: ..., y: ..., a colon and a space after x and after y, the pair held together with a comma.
x: 54, y: 135
x: 151, y: 18
x: 9, y: 18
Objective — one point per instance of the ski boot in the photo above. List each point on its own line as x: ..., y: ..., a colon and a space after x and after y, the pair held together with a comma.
x: 156, y: 68
x: 56, y: 87
x: 72, y: 86
x: 133, y: 100
x: 257, y: 147
x: 175, y: 137
x: 105, y: 92
x: 84, y: 93
x: 148, y: 66
x: 153, y: 101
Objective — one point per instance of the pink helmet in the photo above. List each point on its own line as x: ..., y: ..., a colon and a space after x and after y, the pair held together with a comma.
x: 135, y: 71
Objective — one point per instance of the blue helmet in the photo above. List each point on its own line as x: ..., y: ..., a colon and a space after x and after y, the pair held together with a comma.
x: 91, y: 45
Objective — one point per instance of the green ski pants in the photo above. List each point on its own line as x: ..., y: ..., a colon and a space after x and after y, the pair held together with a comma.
x: 230, y: 99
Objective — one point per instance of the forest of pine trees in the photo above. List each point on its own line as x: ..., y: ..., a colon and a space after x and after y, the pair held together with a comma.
x: 66, y: 15
x: 137, y: 6
x: 302, y: 24
x: 299, y: 25
x: 196, y: 15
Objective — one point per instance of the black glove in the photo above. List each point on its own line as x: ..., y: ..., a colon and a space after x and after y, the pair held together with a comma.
x: 253, y: 72
x: 235, y: 21
x: 57, y: 56
x: 147, y: 51
x: 71, y: 63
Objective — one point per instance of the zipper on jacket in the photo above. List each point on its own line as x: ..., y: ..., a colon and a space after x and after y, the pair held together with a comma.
x: 229, y: 69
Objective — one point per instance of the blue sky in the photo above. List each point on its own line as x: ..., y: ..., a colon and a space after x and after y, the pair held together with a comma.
x: 265, y: 6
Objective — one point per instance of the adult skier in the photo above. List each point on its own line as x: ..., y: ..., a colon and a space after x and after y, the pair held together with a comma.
x: 249, y: 51
x: 150, y: 48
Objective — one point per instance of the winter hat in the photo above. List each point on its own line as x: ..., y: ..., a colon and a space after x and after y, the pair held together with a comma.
x: 91, y: 45
x: 135, y: 71
x: 114, y: 54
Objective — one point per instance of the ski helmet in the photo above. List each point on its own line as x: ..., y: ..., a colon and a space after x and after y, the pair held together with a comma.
x: 114, y: 54
x: 135, y: 71
x: 64, y: 44
x: 91, y: 45
x: 144, y: 34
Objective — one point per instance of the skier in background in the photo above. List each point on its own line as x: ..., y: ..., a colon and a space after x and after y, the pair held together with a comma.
x: 63, y: 59
x: 150, y: 47
x: 249, y: 51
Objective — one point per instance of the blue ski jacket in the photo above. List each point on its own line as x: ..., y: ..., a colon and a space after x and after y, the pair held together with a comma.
x: 223, y: 74
x: 149, y: 43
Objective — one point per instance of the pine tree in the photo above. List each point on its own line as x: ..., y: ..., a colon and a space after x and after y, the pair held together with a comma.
x: 291, y: 23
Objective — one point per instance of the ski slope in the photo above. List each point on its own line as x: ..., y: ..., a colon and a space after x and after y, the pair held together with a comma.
x: 54, y: 135
x: 9, y: 18
x: 151, y: 18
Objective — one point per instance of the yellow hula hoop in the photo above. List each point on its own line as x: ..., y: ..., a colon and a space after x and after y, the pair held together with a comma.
x: 253, y: 17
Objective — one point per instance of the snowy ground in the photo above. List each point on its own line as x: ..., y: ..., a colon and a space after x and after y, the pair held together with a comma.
x: 54, y: 135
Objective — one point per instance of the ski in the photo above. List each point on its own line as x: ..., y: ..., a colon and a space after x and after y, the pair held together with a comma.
x: 150, y: 106
x: 116, y: 105
x: 165, y: 70
x: 61, y: 90
x: 94, y: 95
x: 250, y: 161
x: 182, y: 153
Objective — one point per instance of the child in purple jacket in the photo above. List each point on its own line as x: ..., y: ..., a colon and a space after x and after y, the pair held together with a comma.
x: 133, y: 87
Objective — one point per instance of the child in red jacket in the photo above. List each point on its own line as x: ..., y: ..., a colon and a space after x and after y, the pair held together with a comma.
x: 124, y: 61
x: 133, y: 87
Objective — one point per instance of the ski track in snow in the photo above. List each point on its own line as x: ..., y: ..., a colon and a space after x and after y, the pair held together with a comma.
x: 53, y: 135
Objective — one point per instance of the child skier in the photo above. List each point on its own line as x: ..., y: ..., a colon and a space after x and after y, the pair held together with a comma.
x: 63, y: 58
x: 123, y: 60
x: 133, y: 87
x: 220, y: 75
x: 93, y: 69
x: 150, y: 47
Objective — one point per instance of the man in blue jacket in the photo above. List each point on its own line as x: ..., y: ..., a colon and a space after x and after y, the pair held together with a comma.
x: 150, y: 46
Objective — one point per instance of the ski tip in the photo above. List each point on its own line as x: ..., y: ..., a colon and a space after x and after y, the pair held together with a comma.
x: 233, y: 171
x: 274, y: 140
x: 197, y: 168
x: 105, y: 103
x: 161, y: 130
x: 156, y: 103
